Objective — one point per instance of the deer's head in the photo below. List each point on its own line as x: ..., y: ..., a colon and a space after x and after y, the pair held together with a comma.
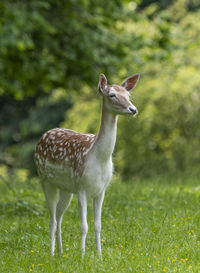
x: 117, y: 97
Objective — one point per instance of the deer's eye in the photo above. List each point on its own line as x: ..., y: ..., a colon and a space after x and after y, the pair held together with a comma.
x: 112, y: 95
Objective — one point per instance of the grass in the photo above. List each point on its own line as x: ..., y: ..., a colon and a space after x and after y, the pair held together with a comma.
x: 147, y: 226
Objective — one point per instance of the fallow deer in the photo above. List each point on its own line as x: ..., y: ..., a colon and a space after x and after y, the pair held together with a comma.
x: 69, y: 162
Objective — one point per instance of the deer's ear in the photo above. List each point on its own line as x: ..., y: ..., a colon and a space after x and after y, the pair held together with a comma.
x: 131, y: 82
x: 102, y: 84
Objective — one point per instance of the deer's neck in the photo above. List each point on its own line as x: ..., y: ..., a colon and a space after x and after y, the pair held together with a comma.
x: 106, y: 137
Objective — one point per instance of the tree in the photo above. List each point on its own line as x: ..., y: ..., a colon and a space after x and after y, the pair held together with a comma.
x: 50, y: 44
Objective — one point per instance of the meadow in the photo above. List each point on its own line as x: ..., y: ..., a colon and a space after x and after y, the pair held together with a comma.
x: 148, y: 225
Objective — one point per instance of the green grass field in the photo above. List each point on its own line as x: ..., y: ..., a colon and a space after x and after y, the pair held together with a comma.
x: 147, y: 226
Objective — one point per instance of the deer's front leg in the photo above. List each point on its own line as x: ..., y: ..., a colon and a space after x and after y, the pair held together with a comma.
x: 97, y: 205
x: 82, y: 201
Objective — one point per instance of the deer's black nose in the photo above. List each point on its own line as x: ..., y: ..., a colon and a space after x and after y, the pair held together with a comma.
x: 133, y: 110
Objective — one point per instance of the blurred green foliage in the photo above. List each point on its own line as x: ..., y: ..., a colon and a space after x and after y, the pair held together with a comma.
x: 51, y: 53
x: 46, y: 47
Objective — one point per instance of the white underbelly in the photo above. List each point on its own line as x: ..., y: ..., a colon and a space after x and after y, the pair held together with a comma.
x: 61, y: 177
x: 95, y: 178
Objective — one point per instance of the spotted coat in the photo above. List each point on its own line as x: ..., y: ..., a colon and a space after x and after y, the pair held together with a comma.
x: 61, y: 149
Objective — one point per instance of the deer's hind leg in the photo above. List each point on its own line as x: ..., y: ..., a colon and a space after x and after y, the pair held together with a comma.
x: 63, y: 203
x: 51, y: 194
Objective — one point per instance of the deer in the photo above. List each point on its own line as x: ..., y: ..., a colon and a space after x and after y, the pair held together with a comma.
x: 70, y: 163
